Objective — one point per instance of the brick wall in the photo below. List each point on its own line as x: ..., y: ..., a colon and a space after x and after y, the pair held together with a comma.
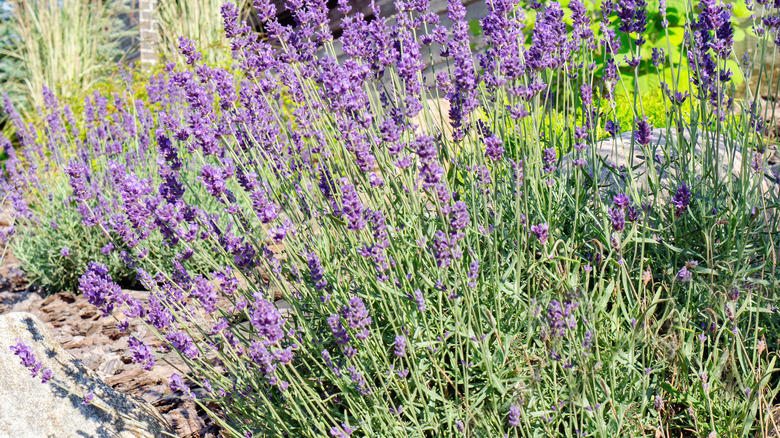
x: 149, y: 35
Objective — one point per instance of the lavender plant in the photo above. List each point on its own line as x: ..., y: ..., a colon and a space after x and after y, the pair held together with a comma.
x: 70, y: 177
x: 456, y: 254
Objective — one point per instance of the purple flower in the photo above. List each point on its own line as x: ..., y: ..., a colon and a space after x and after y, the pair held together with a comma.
x: 230, y: 20
x: 587, y: 341
x: 494, y: 147
x: 445, y: 248
x: 78, y: 174
x: 25, y: 353
x: 681, y: 199
x: 473, y: 273
x: 46, y: 375
x: 267, y: 320
x: 514, y: 415
x: 612, y: 127
x: 187, y: 48
x: 684, y: 275
x: 502, y: 29
x: 618, y: 219
x: 400, y: 346
x: 643, y: 132
x: 182, y: 342
x: 632, y: 214
x: 356, y: 314
x: 662, y: 11
x: 316, y: 271
x: 205, y: 292
x: 262, y: 356
x: 419, y: 299
x: 549, y: 158
x: 341, y: 432
x: 88, y: 398
x: 541, y: 232
x: 65, y: 252
x: 463, y: 96
x: 548, y: 39
x: 176, y: 383
x: 99, y: 289
x: 560, y: 317
x: 459, y: 216
x: 140, y: 353
x: 352, y: 209
x: 621, y: 201
x: 658, y: 57
x: 338, y: 330
x: 266, y: 210
x: 425, y: 147
x: 106, y: 250
x: 213, y: 178
x: 633, y: 16
x: 359, y: 381
x: 586, y: 93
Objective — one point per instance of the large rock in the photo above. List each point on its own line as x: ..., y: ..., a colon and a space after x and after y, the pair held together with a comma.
x: 620, y: 160
x: 29, y: 408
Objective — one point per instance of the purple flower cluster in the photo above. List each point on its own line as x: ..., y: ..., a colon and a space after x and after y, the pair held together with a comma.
x: 514, y: 416
x: 623, y: 210
x: 502, y: 27
x: 643, y: 132
x: 25, y: 353
x: 99, y: 289
x: 140, y: 353
x: 419, y: 300
x: 681, y: 200
x: 317, y: 272
x: 541, y: 232
x: 494, y: 147
x: 400, y: 346
x: 560, y: 317
x: 618, y: 219
x: 183, y: 343
x: 267, y: 320
x: 684, y: 275
x: 176, y: 383
x: 352, y: 209
x: 356, y: 314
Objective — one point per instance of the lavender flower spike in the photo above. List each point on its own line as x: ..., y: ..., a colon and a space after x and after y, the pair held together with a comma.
x: 99, y: 289
x: 514, y: 415
x: 541, y: 232
x: 681, y: 200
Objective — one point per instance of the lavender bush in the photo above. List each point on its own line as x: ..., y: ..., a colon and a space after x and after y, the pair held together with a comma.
x: 70, y: 178
x: 457, y: 258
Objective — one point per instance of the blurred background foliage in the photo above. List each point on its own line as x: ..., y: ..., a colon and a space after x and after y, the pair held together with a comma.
x: 66, y: 45
x: 76, y: 47
x: 199, y: 21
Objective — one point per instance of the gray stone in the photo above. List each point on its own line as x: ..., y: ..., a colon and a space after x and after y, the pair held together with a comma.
x: 29, y: 408
x: 620, y: 162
